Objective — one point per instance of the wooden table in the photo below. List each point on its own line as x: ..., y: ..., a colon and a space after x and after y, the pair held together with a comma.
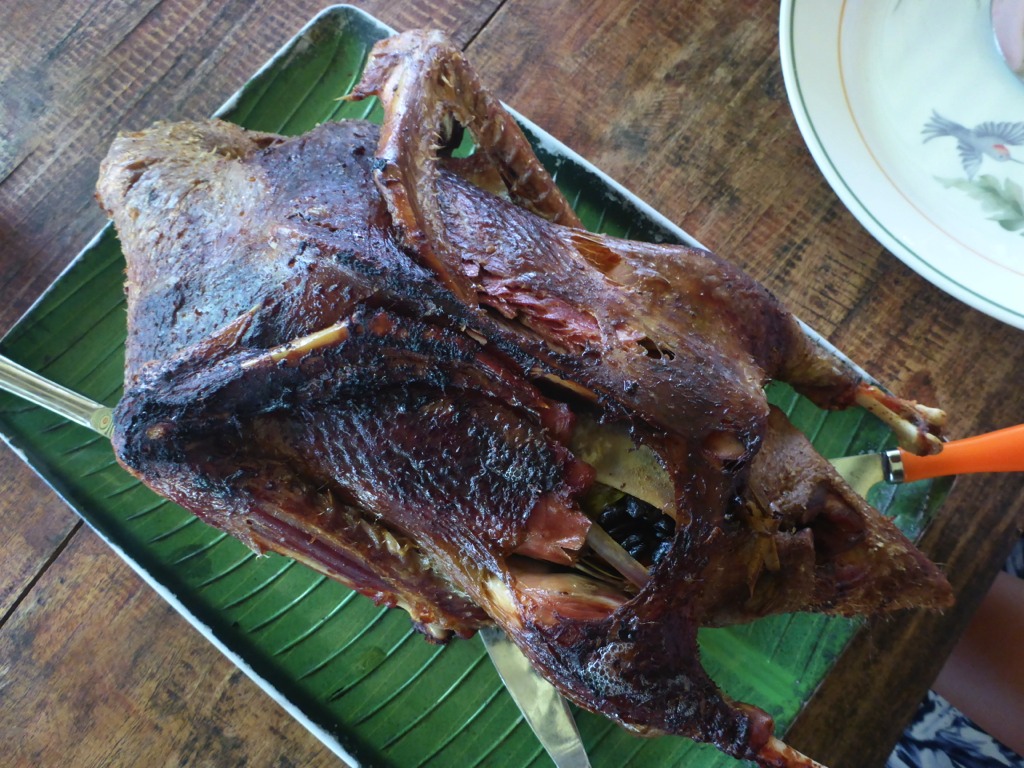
x: 683, y: 103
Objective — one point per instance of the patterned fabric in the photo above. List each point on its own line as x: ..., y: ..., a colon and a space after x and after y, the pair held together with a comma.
x: 1015, y: 563
x: 943, y: 737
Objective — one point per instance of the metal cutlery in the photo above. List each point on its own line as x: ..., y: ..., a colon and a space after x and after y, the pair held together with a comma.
x: 999, y: 451
x: 39, y: 390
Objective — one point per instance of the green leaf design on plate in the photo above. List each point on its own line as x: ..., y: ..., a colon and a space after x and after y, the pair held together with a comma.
x: 355, y: 669
x: 1004, y: 201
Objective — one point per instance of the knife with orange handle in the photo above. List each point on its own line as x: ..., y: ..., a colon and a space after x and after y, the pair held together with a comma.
x: 999, y: 451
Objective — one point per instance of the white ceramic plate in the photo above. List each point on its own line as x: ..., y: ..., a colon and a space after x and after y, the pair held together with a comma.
x: 918, y: 125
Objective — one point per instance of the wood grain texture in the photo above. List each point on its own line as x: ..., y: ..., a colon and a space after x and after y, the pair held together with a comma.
x: 683, y: 103
x: 75, y: 73
x: 37, y: 527
x: 109, y: 676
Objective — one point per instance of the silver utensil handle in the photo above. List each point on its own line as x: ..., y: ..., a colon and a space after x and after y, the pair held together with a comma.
x: 29, y: 385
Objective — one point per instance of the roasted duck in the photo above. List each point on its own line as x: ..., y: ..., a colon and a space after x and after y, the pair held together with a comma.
x: 420, y: 375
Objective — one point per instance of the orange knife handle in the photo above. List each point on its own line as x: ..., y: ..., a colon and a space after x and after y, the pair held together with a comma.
x: 999, y: 451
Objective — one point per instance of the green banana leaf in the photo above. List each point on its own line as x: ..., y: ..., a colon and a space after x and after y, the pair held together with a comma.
x: 356, y: 674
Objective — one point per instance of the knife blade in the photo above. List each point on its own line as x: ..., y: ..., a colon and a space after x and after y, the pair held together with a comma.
x: 999, y: 451
x: 543, y: 707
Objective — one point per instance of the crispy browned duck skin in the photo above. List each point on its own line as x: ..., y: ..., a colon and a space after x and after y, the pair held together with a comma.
x: 425, y: 83
x: 690, y: 333
x: 386, y: 395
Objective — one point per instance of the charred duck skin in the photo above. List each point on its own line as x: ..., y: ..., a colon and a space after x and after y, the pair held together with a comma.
x: 421, y: 376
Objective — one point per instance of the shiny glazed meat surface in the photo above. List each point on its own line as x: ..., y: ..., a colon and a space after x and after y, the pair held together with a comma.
x: 422, y: 377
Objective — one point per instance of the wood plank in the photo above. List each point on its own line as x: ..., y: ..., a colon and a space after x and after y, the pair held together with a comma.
x: 36, y: 525
x: 115, y: 677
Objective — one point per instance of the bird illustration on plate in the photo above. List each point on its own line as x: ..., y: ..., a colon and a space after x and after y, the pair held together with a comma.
x: 989, y: 139
x: 1001, y: 199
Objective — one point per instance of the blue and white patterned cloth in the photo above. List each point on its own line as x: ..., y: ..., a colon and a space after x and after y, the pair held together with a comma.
x: 941, y: 736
